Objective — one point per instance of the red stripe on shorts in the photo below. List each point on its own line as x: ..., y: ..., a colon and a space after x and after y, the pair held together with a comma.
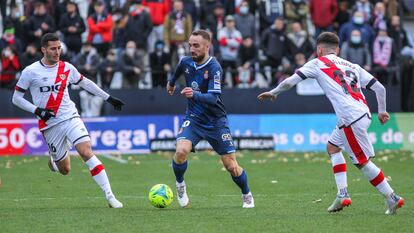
x: 377, y: 180
x: 339, y: 168
x: 355, y: 147
x: 96, y: 170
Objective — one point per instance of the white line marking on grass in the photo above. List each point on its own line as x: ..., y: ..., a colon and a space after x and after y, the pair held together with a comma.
x: 116, y: 159
x: 195, y: 196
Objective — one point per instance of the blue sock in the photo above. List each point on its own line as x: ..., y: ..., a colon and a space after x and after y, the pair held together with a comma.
x: 241, y: 181
x: 179, y: 170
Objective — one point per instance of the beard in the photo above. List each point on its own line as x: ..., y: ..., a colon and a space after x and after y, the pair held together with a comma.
x: 198, y: 58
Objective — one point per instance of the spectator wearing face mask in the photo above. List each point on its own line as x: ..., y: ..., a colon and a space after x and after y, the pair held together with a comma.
x: 87, y: 61
x: 229, y: 41
x: 357, y: 22
x: 380, y: 19
x: 356, y: 51
x: 9, y: 39
x: 160, y: 65
x: 178, y: 26
x: 38, y: 24
x: 100, y: 28
x: 245, y: 22
x: 366, y: 7
x: 107, y: 68
x: 131, y: 66
x: 299, y: 42
x: 384, y: 57
x: 72, y: 26
x: 139, y: 25
x: 30, y: 56
x: 10, y: 66
x: 245, y: 62
x: 16, y: 20
x: 269, y: 10
x: 297, y: 11
x: 274, y: 45
x: 233, y: 6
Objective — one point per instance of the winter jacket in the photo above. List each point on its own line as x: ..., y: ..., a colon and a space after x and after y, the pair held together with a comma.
x: 103, y: 27
x: 245, y: 24
x: 72, y: 39
x: 159, y: 9
x: 138, y: 28
x: 229, y: 41
x: 34, y: 23
x: 171, y: 35
x: 274, y: 43
x: 358, y: 54
x: 323, y: 12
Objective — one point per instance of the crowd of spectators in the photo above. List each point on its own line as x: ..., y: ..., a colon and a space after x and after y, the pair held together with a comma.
x: 137, y: 43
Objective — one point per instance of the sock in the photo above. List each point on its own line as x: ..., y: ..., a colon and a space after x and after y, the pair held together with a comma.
x: 339, y: 170
x: 377, y: 179
x: 99, y: 175
x: 241, y: 181
x: 179, y: 170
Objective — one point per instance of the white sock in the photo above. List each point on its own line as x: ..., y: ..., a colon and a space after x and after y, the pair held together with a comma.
x: 99, y: 175
x: 377, y: 179
x: 339, y: 170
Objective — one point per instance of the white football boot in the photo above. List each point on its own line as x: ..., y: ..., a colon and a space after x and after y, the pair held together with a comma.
x: 248, y: 201
x: 182, y: 194
x: 339, y: 203
x: 113, y: 202
x: 394, y: 202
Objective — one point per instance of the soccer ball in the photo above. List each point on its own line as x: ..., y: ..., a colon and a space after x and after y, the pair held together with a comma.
x: 160, y: 196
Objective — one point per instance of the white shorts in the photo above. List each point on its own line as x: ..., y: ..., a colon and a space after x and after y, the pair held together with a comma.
x: 62, y: 136
x: 354, y: 140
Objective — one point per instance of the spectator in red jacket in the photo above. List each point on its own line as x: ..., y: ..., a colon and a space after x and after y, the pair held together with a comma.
x: 323, y: 14
x: 159, y: 9
x: 100, y: 28
x: 10, y: 66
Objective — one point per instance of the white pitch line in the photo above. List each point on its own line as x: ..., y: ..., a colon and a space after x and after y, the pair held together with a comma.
x: 116, y: 159
x: 220, y: 195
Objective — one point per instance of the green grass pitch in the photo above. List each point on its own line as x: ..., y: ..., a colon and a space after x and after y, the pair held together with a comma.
x: 291, y: 190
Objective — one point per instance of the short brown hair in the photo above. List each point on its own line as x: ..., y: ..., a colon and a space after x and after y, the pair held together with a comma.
x: 44, y: 41
x: 203, y: 33
x: 328, y: 38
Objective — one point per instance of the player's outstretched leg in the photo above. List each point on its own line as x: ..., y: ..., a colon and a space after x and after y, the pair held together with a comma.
x: 179, y: 165
x: 339, y: 169
x: 98, y: 173
x: 239, y: 177
x: 377, y: 179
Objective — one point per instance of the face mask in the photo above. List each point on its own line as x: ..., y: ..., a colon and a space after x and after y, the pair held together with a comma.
x: 131, y: 9
x: 130, y: 51
x: 381, y: 38
x: 7, y: 53
x: 244, y: 10
x: 297, y: 1
x: 356, y: 39
x: 358, y: 20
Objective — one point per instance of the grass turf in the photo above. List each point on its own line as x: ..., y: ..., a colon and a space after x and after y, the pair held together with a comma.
x: 292, y: 192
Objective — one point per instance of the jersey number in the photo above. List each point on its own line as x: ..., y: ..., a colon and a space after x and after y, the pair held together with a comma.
x: 338, y: 74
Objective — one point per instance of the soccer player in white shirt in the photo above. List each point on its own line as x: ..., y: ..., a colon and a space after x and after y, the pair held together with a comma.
x: 342, y: 82
x: 59, y: 121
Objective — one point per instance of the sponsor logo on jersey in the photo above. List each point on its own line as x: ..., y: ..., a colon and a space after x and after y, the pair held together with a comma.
x: 226, y: 137
x: 52, y: 88
x: 194, y: 85
x: 217, y: 80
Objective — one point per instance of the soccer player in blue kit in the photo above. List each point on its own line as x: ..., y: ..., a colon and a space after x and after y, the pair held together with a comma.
x: 205, y: 116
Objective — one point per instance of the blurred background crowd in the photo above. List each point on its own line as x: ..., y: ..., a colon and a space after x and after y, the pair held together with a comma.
x: 137, y: 43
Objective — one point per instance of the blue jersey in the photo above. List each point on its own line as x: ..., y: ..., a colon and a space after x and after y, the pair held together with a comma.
x: 205, y: 79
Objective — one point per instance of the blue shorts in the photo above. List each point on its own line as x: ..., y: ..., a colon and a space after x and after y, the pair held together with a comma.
x: 218, y: 135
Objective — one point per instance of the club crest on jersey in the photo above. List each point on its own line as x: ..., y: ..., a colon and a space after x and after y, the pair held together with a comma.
x: 226, y: 137
x: 206, y: 74
x: 62, y: 76
x: 187, y: 71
